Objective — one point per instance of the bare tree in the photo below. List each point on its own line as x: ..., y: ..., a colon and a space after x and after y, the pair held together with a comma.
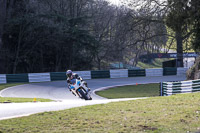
x: 102, y: 24
x: 3, y: 5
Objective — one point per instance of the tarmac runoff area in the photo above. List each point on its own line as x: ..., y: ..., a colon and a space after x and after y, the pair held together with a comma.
x: 13, y: 110
x: 63, y: 98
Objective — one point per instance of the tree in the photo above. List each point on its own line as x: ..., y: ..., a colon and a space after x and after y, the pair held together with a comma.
x: 102, y: 23
x: 195, y: 20
x: 177, y: 19
x: 5, y: 13
x: 147, y: 30
x: 3, y: 5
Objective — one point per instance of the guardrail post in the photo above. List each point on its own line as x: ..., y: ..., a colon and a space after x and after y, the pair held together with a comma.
x: 161, y: 89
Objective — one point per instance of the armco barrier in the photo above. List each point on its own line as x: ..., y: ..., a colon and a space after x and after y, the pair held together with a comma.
x: 2, y: 78
x: 170, y: 88
x: 39, y: 77
x: 17, y: 78
x: 84, y: 74
x: 100, y: 74
x: 117, y: 73
x: 120, y: 73
x: 154, y: 72
x: 58, y: 76
x: 181, y: 71
x: 136, y: 73
x: 169, y: 71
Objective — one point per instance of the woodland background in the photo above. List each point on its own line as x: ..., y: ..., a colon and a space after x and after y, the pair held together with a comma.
x: 55, y: 35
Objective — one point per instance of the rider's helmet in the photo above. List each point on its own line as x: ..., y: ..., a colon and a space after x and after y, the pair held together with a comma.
x: 69, y: 73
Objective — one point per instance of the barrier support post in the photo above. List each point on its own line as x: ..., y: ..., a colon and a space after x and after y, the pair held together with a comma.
x: 161, y: 89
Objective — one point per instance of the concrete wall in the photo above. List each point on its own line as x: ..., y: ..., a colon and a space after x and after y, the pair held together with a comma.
x: 2, y: 79
x: 154, y: 72
x: 181, y: 71
x: 121, y: 73
x: 39, y: 77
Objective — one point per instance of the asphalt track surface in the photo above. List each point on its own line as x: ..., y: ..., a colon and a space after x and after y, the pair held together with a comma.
x: 63, y: 98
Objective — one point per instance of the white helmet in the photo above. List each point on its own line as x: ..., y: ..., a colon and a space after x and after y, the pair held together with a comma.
x: 69, y: 73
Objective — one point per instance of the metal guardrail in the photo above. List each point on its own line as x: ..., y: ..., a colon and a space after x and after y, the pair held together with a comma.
x: 17, y: 78
x: 58, y: 76
x: 169, y: 71
x: 114, y: 73
x: 170, y: 88
x: 136, y: 73
x: 100, y: 74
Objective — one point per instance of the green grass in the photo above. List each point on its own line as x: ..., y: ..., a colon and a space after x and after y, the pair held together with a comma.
x: 18, y: 100
x: 156, y: 63
x: 3, y: 86
x: 177, y: 114
x: 132, y: 91
x: 21, y: 100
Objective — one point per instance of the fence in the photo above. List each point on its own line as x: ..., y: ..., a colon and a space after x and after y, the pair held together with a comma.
x: 170, y: 88
x: 119, y: 73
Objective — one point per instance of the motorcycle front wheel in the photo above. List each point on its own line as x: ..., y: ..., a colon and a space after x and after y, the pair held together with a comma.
x: 83, y: 94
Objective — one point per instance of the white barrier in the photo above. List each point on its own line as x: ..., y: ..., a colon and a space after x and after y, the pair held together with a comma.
x: 84, y: 74
x: 39, y: 77
x: 120, y: 73
x: 170, y: 88
x: 3, y: 79
x: 154, y: 72
x: 181, y: 71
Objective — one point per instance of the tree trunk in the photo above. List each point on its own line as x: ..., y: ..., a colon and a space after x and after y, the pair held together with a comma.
x: 59, y: 59
x: 99, y: 63
x: 18, y: 50
x: 136, y: 59
x: 9, y: 8
x: 41, y: 60
x: 179, y: 42
x: 2, y: 19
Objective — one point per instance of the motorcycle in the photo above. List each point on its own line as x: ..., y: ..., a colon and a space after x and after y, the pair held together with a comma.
x: 78, y: 88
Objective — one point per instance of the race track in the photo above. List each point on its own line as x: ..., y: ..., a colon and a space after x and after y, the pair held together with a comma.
x: 64, y: 99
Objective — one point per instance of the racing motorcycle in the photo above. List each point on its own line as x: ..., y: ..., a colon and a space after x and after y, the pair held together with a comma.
x: 78, y: 88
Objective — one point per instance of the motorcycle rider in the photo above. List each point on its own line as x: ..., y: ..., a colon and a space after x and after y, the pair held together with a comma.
x: 71, y: 76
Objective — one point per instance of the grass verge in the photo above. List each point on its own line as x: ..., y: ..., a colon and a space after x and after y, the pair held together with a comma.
x: 21, y: 100
x: 178, y: 113
x: 156, y: 63
x: 131, y: 91
x: 18, y: 100
x: 3, y: 86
